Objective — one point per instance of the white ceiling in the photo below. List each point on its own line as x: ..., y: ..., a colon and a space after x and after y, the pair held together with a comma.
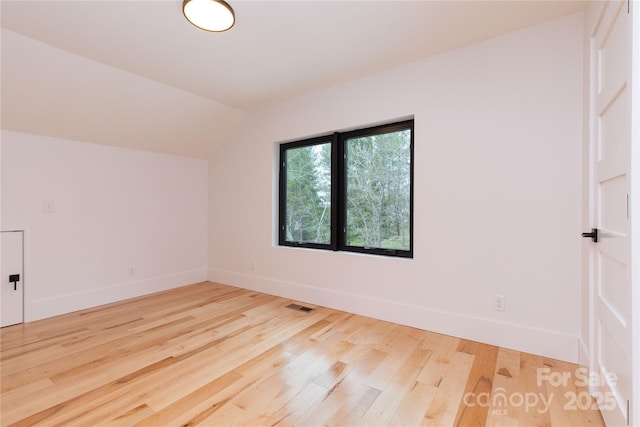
x: 277, y: 50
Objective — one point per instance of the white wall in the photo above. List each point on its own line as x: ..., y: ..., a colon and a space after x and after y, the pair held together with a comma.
x: 115, y: 209
x: 498, y: 128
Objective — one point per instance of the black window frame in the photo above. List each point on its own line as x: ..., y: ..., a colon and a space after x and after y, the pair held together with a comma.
x: 338, y: 189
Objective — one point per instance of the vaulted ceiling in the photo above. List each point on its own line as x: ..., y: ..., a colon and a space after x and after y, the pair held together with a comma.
x: 137, y: 74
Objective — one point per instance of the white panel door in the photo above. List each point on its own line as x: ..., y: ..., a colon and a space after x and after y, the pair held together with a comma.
x: 611, y: 121
x: 11, y: 293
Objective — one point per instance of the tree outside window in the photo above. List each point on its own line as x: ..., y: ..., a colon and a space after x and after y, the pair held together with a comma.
x: 350, y: 191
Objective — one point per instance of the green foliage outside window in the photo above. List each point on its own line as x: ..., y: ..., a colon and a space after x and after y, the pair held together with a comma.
x: 350, y: 191
x: 379, y: 190
x: 308, y: 216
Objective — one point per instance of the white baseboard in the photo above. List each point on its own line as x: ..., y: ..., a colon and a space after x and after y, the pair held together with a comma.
x: 517, y: 337
x: 62, y: 304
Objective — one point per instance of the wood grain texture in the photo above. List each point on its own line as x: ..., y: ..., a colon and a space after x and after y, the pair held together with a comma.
x: 215, y: 355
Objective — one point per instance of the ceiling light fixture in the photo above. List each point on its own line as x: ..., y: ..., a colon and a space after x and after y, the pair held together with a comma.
x: 209, y: 15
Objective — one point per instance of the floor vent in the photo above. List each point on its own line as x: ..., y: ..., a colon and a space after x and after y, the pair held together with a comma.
x: 299, y: 307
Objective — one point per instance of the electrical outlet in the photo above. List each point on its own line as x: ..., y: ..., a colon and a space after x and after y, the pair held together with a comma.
x: 132, y: 271
x: 499, y: 303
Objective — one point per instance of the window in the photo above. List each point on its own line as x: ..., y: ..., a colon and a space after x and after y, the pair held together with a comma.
x: 350, y: 191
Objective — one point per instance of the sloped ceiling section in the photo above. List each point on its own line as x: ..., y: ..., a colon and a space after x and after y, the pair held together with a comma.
x: 135, y: 73
x: 48, y: 91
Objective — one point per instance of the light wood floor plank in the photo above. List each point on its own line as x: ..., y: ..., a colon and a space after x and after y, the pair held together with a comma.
x: 215, y: 355
x: 480, y: 382
x: 414, y: 405
x: 444, y: 407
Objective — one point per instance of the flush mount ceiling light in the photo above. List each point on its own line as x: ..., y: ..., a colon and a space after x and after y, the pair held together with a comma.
x: 209, y: 15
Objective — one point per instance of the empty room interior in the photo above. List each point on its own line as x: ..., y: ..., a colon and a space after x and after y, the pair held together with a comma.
x: 340, y: 213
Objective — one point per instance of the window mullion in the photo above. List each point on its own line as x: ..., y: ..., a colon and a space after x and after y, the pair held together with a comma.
x: 336, y: 193
x: 340, y: 203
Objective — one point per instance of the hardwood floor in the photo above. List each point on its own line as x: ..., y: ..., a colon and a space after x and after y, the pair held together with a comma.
x: 214, y: 355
